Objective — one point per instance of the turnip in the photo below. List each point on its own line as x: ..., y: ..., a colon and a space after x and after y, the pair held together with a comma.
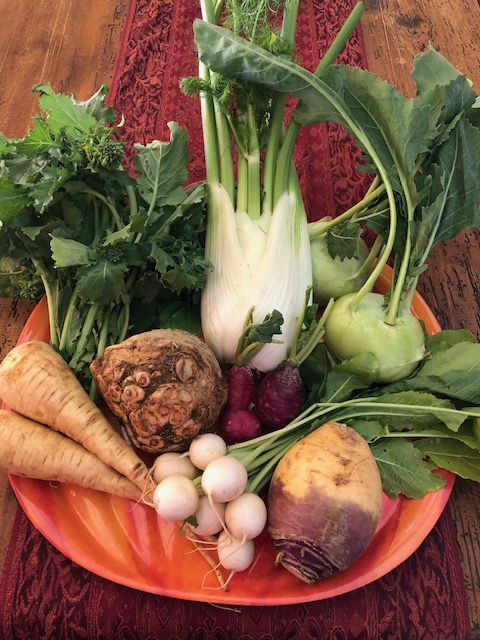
x: 234, y: 553
x: 171, y: 463
x: 354, y: 329
x: 224, y: 479
x: 324, y: 502
x: 239, y: 425
x: 209, y: 517
x: 175, y: 498
x: 246, y: 516
x: 205, y: 448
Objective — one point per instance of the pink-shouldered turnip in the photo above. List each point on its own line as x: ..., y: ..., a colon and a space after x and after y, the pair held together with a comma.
x: 324, y: 502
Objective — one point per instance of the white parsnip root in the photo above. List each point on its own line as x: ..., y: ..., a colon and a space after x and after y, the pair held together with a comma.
x: 32, y: 450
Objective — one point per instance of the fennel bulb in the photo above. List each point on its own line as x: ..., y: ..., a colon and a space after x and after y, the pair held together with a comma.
x: 261, y: 263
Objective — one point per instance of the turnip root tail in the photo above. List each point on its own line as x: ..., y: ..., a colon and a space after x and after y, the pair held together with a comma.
x: 32, y: 450
x: 37, y: 383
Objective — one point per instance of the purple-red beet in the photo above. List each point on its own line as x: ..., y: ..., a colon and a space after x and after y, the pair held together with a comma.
x: 324, y: 502
x: 239, y: 425
x: 241, y: 385
x: 281, y: 396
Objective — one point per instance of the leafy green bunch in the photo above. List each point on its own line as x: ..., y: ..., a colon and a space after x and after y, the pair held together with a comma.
x: 107, y: 248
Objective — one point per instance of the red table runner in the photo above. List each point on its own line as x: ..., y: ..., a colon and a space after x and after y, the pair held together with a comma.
x: 44, y: 595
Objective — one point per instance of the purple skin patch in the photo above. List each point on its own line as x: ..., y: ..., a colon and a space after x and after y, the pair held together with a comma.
x: 325, y: 538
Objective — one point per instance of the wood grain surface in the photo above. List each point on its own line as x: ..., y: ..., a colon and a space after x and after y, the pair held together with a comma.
x: 73, y: 45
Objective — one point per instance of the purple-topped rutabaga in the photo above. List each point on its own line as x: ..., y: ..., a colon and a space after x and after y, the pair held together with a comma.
x: 324, y: 502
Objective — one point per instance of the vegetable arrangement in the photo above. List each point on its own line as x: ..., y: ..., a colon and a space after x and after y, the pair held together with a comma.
x: 326, y: 407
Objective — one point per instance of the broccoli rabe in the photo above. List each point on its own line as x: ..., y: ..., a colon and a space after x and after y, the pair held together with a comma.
x: 95, y: 237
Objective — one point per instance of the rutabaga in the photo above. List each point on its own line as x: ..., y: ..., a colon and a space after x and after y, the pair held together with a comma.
x: 263, y: 264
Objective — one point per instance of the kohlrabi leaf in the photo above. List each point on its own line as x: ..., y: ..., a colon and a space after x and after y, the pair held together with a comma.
x: 389, y: 128
x: 343, y: 240
x: 454, y: 456
x: 453, y: 206
x: 403, y: 469
x: 432, y: 69
x: 447, y: 338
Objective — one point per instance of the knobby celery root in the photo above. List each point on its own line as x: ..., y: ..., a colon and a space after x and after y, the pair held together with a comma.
x: 324, y: 502
x: 165, y: 385
x: 38, y: 384
x: 33, y: 450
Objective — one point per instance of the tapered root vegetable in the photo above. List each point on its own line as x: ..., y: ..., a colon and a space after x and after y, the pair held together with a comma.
x: 37, y: 383
x: 324, y: 502
x: 165, y: 385
x: 32, y: 450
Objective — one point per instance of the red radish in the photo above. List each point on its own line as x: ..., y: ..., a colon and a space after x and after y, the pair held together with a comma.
x: 239, y: 425
x: 281, y: 396
x: 240, y: 387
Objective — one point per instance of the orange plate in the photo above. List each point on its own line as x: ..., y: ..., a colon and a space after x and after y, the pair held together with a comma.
x: 128, y: 544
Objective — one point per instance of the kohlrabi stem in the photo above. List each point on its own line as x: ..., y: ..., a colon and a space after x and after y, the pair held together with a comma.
x: 387, y: 249
x: 332, y: 53
x: 322, y: 226
x: 398, y: 287
x: 411, y: 288
x: 372, y: 255
x: 341, y: 39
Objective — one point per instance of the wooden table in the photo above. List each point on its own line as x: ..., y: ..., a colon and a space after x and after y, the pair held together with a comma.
x: 73, y: 45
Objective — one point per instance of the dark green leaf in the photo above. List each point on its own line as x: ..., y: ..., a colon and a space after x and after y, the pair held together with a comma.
x: 12, y: 200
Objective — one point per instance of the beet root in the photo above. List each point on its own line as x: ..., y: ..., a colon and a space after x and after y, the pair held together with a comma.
x: 281, y: 396
x: 165, y: 385
x: 324, y: 502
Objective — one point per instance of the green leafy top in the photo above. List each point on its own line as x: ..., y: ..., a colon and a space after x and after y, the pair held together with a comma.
x: 96, y: 237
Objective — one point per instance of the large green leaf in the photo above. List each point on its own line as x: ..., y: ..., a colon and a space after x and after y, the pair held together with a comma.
x: 162, y: 168
x: 403, y: 469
